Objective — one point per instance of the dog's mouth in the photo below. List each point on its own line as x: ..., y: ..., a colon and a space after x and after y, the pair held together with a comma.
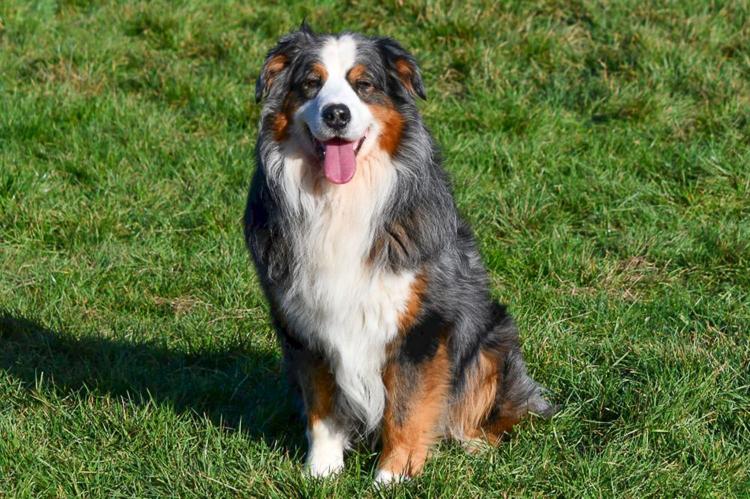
x: 338, y: 156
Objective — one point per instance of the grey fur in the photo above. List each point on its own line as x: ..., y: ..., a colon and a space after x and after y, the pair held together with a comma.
x: 420, y: 231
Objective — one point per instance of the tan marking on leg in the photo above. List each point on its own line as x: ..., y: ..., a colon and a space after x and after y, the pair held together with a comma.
x: 406, y: 443
x: 469, y: 418
x: 470, y: 412
x: 326, y: 437
x: 319, y: 403
x: 495, y: 430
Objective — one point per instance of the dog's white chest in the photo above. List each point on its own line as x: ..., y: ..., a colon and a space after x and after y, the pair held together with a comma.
x: 352, y: 311
x: 340, y: 302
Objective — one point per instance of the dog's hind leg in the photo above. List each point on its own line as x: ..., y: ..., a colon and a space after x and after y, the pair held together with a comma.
x: 517, y: 395
x: 497, y: 391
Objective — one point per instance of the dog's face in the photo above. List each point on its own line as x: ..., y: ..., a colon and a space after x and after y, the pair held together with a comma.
x: 338, y: 98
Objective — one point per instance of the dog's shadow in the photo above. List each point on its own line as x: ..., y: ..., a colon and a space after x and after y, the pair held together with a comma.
x: 235, y: 388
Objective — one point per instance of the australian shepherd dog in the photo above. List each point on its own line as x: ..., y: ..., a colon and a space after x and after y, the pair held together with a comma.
x: 377, y: 290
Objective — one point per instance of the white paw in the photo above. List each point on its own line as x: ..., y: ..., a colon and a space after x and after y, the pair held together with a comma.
x: 383, y: 478
x: 326, y: 454
x: 321, y: 466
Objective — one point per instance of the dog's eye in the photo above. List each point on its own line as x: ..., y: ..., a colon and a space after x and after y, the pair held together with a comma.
x: 364, y: 86
x: 311, y: 84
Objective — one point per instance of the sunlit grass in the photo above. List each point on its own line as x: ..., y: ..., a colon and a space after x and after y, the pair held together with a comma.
x: 600, y: 151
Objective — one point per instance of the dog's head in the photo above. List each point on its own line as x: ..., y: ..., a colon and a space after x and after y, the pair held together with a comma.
x: 338, y: 97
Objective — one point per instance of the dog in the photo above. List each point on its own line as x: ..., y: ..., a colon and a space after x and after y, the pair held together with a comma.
x: 377, y: 290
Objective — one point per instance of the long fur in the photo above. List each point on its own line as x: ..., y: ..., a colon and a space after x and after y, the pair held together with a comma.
x: 340, y: 264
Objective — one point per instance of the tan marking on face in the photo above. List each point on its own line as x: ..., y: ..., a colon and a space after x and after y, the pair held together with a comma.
x: 320, y: 70
x: 283, y: 120
x: 356, y: 73
x: 280, y: 126
x: 406, y: 445
x: 391, y: 123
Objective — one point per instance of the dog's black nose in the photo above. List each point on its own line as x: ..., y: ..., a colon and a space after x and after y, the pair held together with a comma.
x: 336, y: 116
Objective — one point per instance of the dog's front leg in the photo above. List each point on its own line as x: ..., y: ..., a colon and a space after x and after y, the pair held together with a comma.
x: 327, y: 436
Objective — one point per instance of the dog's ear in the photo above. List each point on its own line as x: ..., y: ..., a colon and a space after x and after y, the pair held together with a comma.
x: 306, y: 28
x: 279, y: 59
x: 402, y: 65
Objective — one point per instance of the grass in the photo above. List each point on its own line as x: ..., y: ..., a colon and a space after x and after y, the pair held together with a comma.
x: 600, y: 150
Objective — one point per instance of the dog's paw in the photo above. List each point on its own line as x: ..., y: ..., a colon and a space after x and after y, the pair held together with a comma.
x: 384, y: 478
x: 320, y: 465
x: 327, y: 444
x: 476, y: 446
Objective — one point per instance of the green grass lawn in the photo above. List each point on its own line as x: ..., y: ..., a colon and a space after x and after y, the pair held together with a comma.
x: 601, y: 152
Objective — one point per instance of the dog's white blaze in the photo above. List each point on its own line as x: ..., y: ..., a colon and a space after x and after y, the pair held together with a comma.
x: 338, y: 55
x: 337, y: 300
x: 327, y: 442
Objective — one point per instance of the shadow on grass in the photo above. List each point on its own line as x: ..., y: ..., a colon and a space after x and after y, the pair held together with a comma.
x: 236, y: 389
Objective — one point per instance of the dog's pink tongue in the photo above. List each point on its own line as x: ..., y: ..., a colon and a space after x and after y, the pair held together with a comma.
x: 339, y: 163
